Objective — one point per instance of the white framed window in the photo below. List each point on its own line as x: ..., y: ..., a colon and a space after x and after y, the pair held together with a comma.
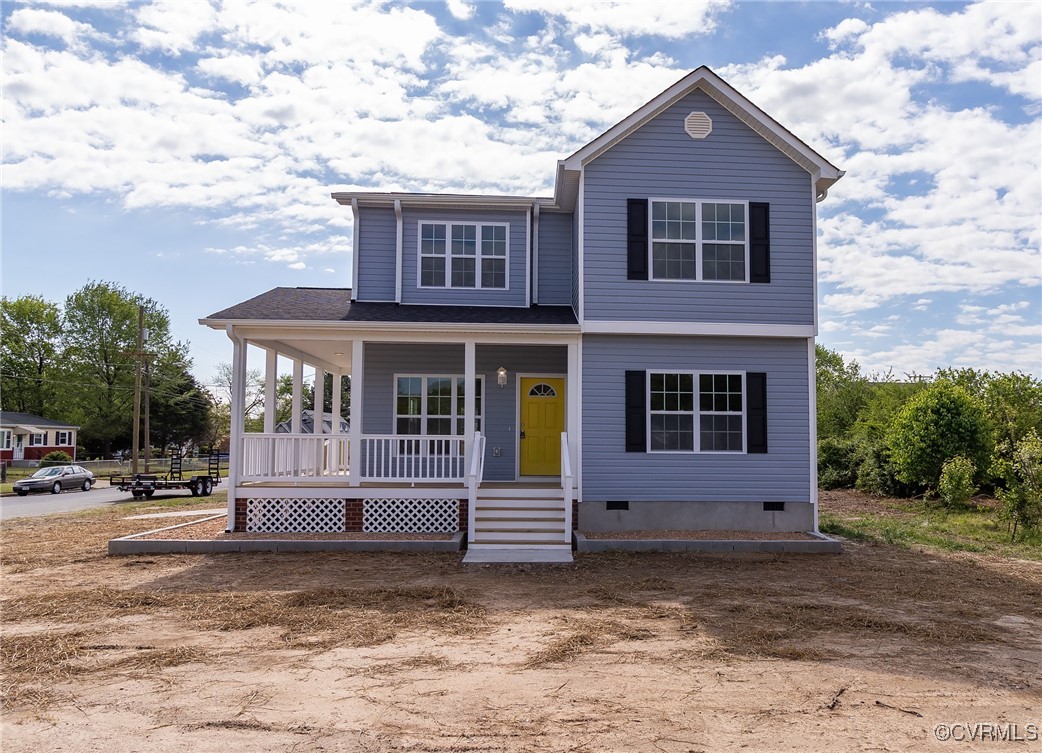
x: 463, y: 255
x: 5, y: 439
x: 63, y: 438
x: 690, y: 411
x: 37, y: 440
x: 699, y: 240
x: 434, y: 405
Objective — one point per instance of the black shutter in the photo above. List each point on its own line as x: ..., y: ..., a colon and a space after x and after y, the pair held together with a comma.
x: 636, y: 412
x: 637, y: 239
x: 756, y: 412
x: 759, y: 242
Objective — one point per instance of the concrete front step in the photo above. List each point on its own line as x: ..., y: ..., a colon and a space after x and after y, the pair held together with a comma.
x: 518, y: 538
x: 477, y: 556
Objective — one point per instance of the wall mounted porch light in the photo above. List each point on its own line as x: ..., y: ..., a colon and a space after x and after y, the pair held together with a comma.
x: 501, y: 376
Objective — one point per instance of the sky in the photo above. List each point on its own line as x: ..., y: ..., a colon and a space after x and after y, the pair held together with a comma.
x: 186, y: 149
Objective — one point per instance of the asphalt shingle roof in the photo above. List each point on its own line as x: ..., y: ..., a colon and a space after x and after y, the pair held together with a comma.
x: 335, y: 305
x: 13, y: 418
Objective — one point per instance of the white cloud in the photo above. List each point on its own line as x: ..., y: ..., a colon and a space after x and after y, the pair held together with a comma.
x: 650, y: 17
x: 460, y: 9
x: 47, y: 22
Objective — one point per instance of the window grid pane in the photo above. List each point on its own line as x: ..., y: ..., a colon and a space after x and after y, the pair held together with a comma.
x: 672, y: 412
x: 720, y: 407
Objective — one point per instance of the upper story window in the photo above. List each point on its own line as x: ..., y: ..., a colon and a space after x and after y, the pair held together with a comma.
x: 699, y: 240
x: 463, y: 255
x: 695, y: 412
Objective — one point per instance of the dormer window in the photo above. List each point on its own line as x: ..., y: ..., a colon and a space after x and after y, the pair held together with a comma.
x: 463, y: 255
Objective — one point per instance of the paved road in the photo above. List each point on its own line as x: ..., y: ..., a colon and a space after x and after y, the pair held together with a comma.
x: 46, y: 504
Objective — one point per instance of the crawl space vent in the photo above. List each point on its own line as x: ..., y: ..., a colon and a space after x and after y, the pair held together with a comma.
x: 697, y: 125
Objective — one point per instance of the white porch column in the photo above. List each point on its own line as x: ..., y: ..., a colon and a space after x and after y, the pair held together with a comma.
x: 320, y: 402
x: 338, y: 385
x: 354, y: 413
x: 573, y: 395
x: 238, y: 397
x: 298, y: 382
x: 469, y: 377
x: 271, y: 378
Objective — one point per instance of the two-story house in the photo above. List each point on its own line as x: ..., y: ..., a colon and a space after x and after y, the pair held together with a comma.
x: 635, y: 352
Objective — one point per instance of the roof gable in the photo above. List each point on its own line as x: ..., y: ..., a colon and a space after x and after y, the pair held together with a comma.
x: 703, y: 79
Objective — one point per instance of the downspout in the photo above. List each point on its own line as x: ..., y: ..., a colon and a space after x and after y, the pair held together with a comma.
x: 235, y: 430
x: 535, y: 253
x: 398, y: 251
x: 354, y: 250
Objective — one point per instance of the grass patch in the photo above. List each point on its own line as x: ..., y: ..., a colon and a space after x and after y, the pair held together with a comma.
x: 918, y: 523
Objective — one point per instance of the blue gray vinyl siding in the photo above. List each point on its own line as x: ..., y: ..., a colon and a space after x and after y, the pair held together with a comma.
x: 516, y: 295
x: 377, y: 229
x: 660, y: 160
x: 555, y: 259
x: 499, y: 422
x: 609, y: 472
x: 575, y: 265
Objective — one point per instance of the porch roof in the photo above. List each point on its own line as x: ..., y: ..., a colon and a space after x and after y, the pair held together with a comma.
x: 329, y: 305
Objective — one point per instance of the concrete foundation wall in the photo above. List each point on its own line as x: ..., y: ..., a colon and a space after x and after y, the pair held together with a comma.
x: 695, y: 516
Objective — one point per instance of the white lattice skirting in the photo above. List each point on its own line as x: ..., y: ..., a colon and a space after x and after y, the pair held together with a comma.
x: 295, y: 515
x: 410, y: 515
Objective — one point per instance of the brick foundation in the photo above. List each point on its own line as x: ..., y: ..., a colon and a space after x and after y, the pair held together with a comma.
x: 353, y: 515
x: 240, y: 515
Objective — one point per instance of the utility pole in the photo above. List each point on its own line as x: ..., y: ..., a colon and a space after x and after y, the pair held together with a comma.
x: 136, y: 440
x: 148, y: 394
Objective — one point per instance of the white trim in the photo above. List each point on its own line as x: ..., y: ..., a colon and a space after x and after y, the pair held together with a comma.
x: 814, y: 254
x: 416, y: 331
x: 518, y: 376
x: 354, y: 411
x: 5, y: 439
x: 238, y: 397
x: 478, y: 256
x: 731, y: 329
x: 288, y: 350
x: 696, y: 412
x: 324, y: 490
x: 812, y: 382
x: 297, y: 397
x: 573, y: 386
x: 580, y: 217
x: 398, y: 253
x: 698, y: 240
x: 534, y: 260
x: 528, y: 257
x: 441, y: 201
x: 355, y: 233
x: 724, y: 94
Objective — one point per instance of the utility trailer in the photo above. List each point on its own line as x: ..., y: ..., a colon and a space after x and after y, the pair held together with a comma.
x: 144, y: 485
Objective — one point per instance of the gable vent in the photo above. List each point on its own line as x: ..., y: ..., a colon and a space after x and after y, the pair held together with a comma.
x: 697, y: 125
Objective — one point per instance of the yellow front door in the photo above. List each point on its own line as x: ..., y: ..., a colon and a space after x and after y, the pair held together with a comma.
x: 542, y: 421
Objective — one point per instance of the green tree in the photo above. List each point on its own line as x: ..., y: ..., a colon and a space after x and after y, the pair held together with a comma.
x: 842, y: 391
x: 956, y: 486
x: 180, y: 407
x: 30, y: 354
x: 1022, y: 500
x: 101, y: 329
x: 934, y: 426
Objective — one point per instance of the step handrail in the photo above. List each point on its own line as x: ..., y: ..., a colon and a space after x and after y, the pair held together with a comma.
x: 475, y: 475
x: 567, y: 480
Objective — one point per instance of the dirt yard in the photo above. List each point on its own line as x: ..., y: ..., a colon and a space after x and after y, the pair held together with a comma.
x: 868, y: 650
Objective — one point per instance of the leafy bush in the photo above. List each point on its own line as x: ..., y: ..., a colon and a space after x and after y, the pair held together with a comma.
x: 58, y: 457
x: 838, y: 461
x: 1022, y: 501
x: 877, y: 474
x: 956, y: 485
x: 934, y: 426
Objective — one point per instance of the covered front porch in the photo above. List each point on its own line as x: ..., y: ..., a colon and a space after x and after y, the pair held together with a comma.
x: 443, y: 432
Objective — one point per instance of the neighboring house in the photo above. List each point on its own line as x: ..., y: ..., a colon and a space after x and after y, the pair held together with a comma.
x: 307, y: 424
x: 24, y: 436
x: 635, y: 352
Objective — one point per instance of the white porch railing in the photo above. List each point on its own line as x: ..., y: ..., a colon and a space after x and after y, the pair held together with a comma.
x: 398, y: 457
x: 567, y: 482
x: 475, y: 475
x: 268, y: 457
